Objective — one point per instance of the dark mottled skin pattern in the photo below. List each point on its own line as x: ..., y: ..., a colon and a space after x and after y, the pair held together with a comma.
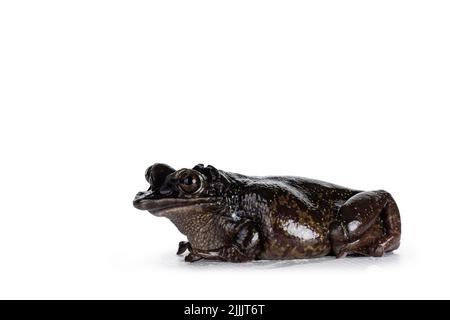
x: 232, y: 217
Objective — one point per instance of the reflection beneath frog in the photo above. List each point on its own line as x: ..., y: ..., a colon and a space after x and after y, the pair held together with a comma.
x: 323, y: 263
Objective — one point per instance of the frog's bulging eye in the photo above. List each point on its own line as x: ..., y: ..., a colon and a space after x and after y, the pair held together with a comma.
x: 189, y: 184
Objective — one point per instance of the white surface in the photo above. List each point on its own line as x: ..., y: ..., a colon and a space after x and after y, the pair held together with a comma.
x: 92, y: 92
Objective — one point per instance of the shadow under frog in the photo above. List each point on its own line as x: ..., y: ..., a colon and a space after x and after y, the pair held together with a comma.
x: 232, y: 217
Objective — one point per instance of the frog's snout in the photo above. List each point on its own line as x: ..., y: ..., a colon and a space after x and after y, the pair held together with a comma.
x: 140, y: 195
x: 139, y: 199
x: 161, y: 186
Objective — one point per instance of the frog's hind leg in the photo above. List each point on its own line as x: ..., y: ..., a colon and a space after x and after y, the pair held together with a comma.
x: 368, y: 223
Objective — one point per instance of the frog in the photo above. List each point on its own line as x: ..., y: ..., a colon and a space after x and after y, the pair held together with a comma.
x: 232, y: 217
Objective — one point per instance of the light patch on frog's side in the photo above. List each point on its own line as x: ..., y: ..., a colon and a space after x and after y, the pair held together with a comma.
x: 235, y: 216
x: 352, y: 226
x: 255, y: 238
x: 298, y: 230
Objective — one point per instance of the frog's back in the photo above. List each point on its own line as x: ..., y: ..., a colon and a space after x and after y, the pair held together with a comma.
x: 317, y: 191
x: 300, y: 211
x: 312, y: 192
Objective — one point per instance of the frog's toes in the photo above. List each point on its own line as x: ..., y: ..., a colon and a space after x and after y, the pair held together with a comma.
x: 346, y: 249
x: 377, y: 251
x: 342, y: 253
x: 192, y: 257
x: 183, y: 246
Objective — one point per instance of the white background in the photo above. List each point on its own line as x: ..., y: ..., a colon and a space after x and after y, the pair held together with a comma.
x: 93, y: 92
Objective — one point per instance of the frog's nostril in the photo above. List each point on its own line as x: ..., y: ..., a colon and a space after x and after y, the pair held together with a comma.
x: 164, y: 190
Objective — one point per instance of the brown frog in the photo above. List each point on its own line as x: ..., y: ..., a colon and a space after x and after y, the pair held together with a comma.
x: 232, y: 217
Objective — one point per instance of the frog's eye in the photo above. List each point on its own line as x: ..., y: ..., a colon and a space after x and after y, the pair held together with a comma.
x: 190, y: 183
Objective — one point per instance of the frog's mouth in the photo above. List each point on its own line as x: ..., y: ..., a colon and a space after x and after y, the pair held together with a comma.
x: 163, y: 206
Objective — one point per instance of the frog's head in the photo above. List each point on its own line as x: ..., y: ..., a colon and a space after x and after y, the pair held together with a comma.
x: 177, y: 193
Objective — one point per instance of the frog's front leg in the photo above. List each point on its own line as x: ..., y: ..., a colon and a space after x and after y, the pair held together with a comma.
x: 368, y: 223
x: 245, y: 246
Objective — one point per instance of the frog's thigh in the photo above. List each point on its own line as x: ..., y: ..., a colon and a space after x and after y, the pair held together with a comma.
x: 359, y: 214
